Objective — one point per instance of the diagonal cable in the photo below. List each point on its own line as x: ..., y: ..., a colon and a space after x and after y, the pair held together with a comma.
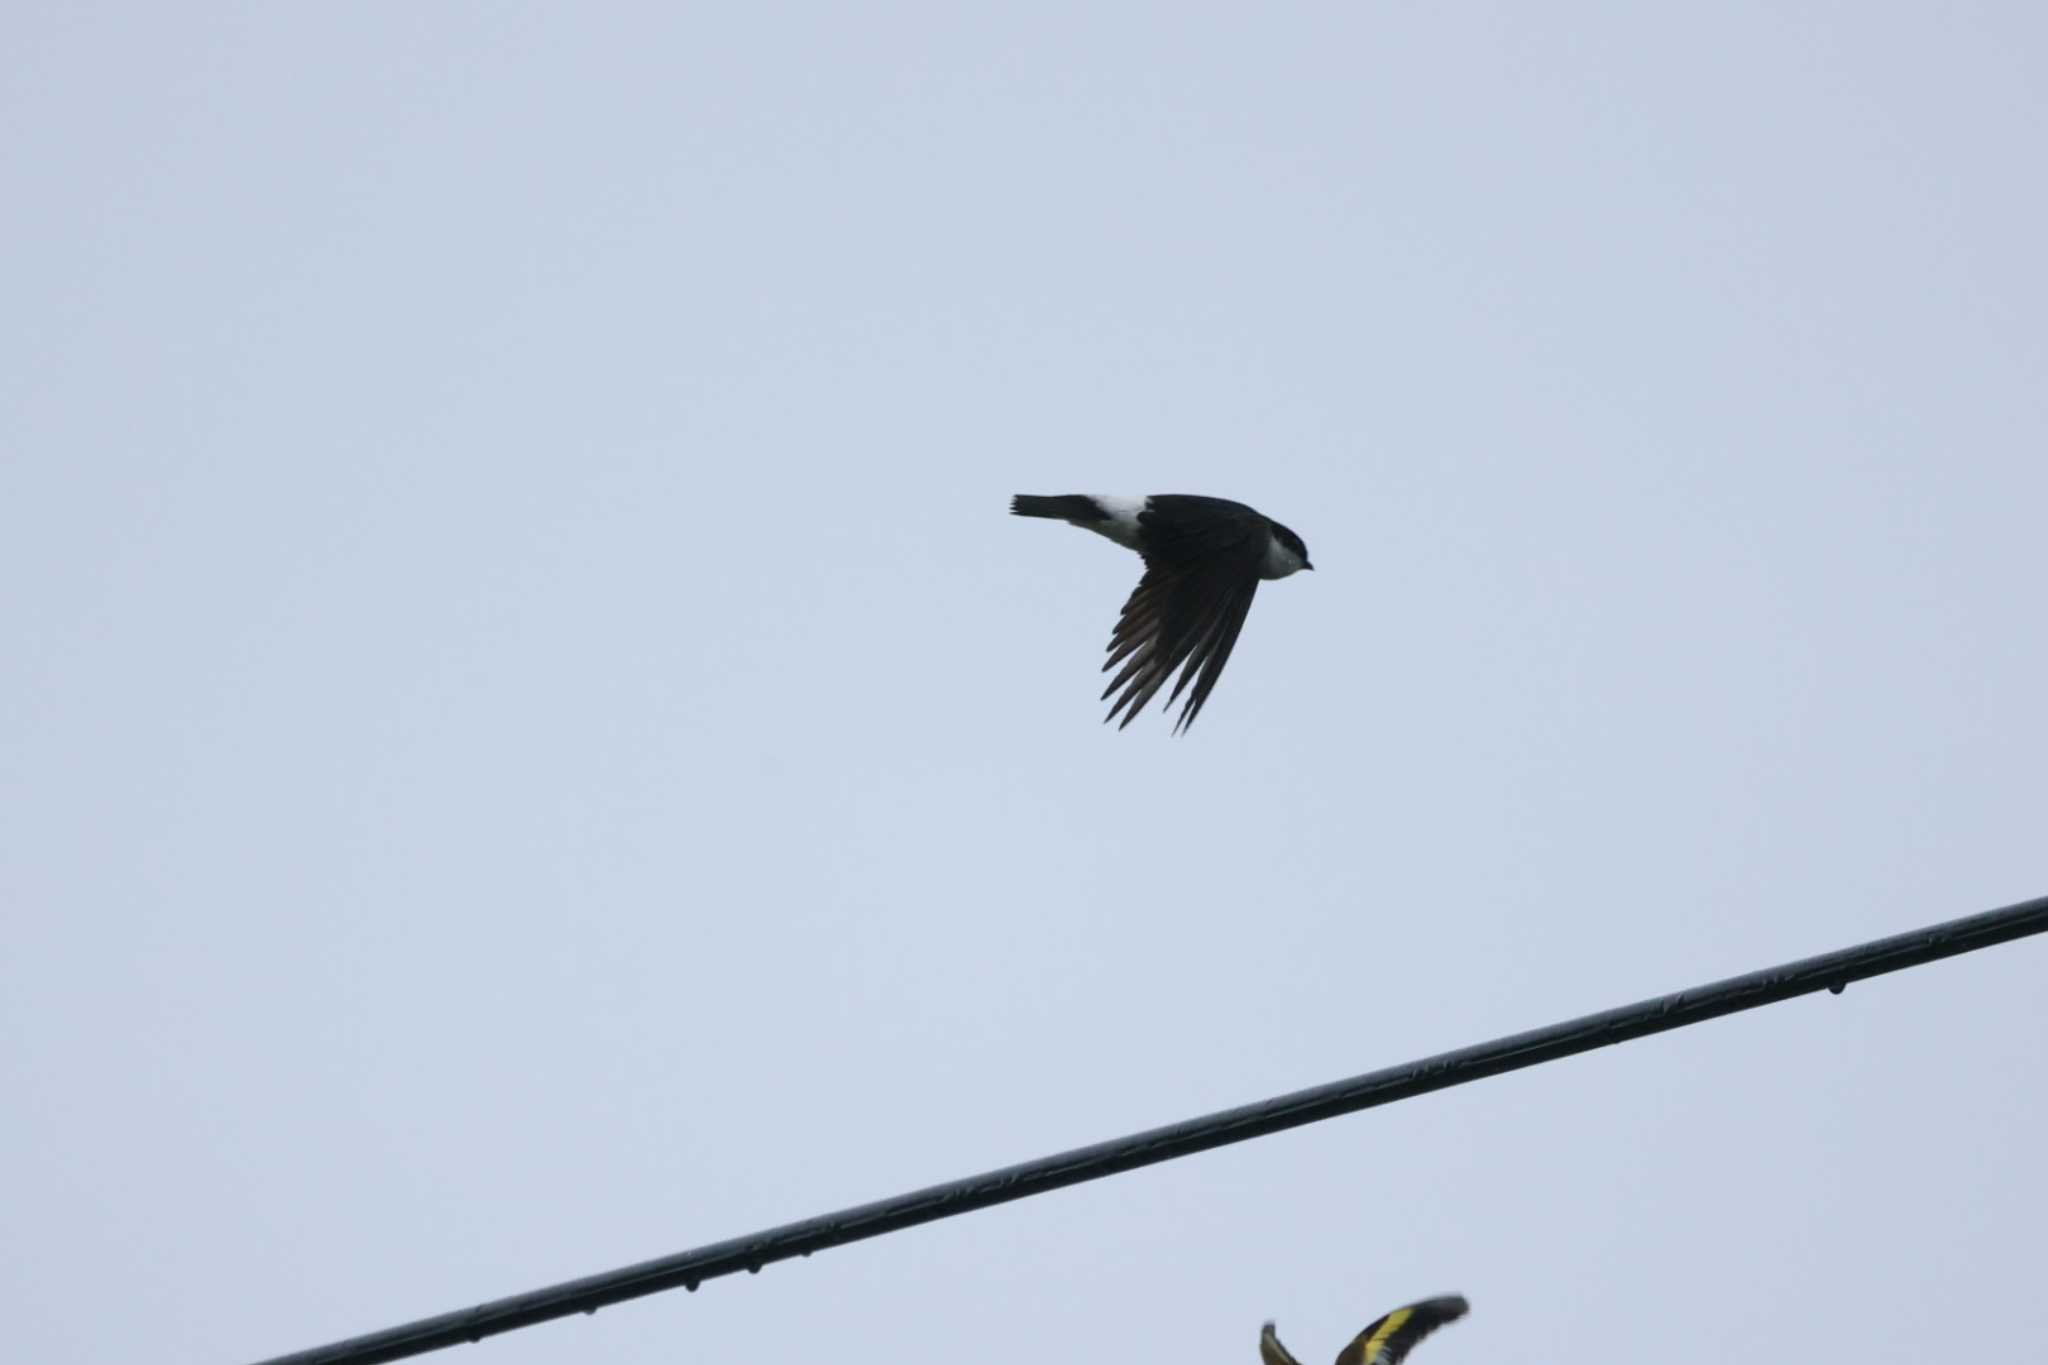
x: 1829, y: 971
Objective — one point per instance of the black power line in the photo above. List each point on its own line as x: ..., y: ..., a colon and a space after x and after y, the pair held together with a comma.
x: 1830, y: 971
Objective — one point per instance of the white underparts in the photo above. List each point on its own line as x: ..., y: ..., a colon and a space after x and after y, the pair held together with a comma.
x: 1280, y: 561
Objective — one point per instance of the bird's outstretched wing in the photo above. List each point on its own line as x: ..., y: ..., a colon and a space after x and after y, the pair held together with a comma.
x: 1270, y: 1349
x: 1386, y: 1341
x: 1200, y: 575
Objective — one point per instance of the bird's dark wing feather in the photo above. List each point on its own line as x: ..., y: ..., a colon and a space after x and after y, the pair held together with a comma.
x: 1201, y: 571
x: 1391, y: 1338
x: 1270, y: 1349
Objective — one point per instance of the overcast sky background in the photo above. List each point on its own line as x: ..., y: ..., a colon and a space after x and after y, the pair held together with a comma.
x: 531, y: 741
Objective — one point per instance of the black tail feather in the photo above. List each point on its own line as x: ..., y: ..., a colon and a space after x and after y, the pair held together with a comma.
x: 1076, y: 507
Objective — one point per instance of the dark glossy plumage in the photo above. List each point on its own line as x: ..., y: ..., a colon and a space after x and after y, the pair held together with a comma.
x: 1204, y: 560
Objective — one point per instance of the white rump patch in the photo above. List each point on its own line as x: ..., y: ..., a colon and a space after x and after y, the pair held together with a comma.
x: 1122, y: 526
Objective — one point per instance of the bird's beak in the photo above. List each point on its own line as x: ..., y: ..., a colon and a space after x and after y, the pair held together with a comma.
x: 1306, y: 565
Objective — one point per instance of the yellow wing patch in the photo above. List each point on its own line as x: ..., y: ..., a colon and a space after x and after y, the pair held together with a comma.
x: 1376, y: 1344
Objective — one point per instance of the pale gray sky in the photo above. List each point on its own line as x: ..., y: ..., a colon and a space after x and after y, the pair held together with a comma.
x: 532, y: 743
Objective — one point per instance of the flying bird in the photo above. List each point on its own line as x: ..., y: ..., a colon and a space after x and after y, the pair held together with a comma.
x: 1387, y: 1341
x: 1204, y: 558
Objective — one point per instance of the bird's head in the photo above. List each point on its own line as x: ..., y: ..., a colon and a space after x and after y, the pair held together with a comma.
x: 1293, y: 546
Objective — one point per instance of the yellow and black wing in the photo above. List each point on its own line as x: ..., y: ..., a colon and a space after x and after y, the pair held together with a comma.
x: 1390, y: 1339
